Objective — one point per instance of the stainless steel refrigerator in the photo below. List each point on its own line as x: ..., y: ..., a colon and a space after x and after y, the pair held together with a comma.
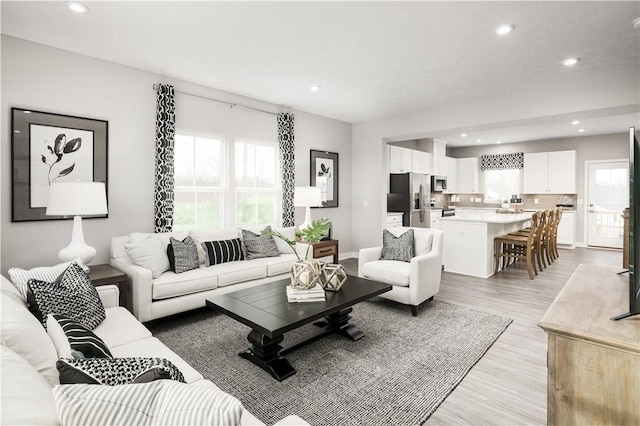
x: 409, y: 194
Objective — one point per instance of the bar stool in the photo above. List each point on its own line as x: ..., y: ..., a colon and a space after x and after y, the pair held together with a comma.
x: 540, y: 237
x: 516, y: 247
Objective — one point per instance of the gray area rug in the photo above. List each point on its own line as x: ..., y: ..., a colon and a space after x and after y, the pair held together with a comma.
x: 398, y: 374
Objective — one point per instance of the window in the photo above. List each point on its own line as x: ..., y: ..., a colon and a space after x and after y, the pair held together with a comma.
x: 500, y: 185
x: 220, y: 182
x: 257, y: 193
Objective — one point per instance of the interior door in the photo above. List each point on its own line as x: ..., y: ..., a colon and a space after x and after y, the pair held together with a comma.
x: 608, y: 195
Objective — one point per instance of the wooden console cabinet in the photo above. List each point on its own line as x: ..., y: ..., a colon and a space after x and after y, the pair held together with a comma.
x: 593, y: 363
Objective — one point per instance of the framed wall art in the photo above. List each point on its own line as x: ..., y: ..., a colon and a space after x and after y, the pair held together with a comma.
x: 47, y: 148
x: 324, y: 174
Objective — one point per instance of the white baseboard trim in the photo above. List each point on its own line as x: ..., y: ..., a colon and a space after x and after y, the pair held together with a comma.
x: 347, y: 255
x: 581, y: 244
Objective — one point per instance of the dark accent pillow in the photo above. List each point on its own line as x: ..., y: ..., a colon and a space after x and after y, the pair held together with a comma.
x: 82, y: 339
x: 397, y: 248
x: 258, y: 246
x: 71, y: 295
x: 216, y: 252
x: 183, y: 255
x: 116, y: 371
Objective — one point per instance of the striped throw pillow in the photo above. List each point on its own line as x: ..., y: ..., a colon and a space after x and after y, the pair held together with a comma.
x: 19, y: 277
x: 216, y: 252
x: 162, y: 402
x: 69, y: 335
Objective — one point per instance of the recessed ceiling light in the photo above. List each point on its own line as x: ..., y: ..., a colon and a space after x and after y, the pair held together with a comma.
x: 575, y: 122
x: 77, y: 7
x: 16, y: 131
x: 499, y: 142
x: 504, y: 29
x: 478, y: 140
x: 315, y: 88
x: 464, y: 135
x: 636, y: 23
x: 569, y: 62
x: 581, y: 130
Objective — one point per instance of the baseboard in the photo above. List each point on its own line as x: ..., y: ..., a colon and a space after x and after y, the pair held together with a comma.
x: 347, y: 255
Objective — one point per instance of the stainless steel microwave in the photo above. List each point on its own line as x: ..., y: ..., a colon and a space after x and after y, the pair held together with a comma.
x: 438, y: 183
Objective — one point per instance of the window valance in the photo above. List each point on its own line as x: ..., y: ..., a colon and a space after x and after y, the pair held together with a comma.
x: 511, y: 161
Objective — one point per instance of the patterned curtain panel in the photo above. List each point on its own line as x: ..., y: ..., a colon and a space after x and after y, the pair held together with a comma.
x: 165, y: 140
x: 502, y: 161
x: 287, y: 166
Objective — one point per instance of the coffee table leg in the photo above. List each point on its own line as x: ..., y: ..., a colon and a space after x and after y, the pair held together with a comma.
x: 339, y: 322
x: 264, y: 352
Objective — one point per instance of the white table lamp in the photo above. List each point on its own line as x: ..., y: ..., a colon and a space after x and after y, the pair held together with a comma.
x: 77, y: 199
x: 307, y: 196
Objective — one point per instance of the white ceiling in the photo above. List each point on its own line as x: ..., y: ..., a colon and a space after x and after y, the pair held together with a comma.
x: 374, y: 60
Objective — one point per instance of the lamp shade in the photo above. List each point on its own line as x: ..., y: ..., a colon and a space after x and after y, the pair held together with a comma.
x: 307, y: 196
x: 77, y: 199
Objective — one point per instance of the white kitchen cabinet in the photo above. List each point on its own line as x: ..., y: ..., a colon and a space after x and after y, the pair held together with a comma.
x: 567, y: 229
x: 435, y: 219
x: 550, y: 173
x: 394, y: 220
x: 468, y: 176
x: 400, y: 159
x: 422, y: 162
x: 451, y: 172
x: 562, y: 172
x: 438, y: 157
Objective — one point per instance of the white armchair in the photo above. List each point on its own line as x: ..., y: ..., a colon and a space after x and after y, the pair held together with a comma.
x: 413, y: 282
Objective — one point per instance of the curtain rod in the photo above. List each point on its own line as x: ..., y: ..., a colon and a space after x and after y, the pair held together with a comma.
x: 231, y: 104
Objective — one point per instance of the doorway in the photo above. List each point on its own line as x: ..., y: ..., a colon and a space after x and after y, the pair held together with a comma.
x: 607, y: 197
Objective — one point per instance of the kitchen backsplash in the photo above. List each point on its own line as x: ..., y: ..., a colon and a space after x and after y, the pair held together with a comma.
x: 545, y: 201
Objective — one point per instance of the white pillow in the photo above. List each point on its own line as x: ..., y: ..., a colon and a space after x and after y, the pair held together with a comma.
x: 26, y: 336
x: 149, y: 253
x: 19, y: 277
x: 26, y: 395
x: 158, y: 402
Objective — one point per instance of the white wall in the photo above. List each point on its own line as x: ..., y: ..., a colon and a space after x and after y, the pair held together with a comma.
x: 41, y: 78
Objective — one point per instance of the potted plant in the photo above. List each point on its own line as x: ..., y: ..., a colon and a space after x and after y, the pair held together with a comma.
x: 306, y: 273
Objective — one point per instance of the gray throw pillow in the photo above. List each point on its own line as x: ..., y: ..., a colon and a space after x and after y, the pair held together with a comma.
x: 183, y: 255
x: 397, y: 248
x: 258, y: 246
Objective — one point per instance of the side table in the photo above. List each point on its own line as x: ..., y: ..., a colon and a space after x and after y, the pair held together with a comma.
x: 325, y: 248
x: 106, y: 274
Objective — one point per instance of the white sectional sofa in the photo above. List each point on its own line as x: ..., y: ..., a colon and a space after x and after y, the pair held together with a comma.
x: 171, y: 293
x: 28, y: 358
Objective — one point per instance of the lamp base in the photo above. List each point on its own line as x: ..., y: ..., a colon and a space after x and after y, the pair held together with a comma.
x: 78, y: 250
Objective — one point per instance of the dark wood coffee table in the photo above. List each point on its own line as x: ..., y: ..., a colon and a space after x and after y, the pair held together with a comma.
x: 266, y: 310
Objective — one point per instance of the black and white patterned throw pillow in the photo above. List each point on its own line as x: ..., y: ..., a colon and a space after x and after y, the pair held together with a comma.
x: 216, y: 252
x: 397, y: 248
x: 258, y: 246
x: 116, y: 371
x: 69, y: 335
x: 183, y: 255
x: 71, y: 295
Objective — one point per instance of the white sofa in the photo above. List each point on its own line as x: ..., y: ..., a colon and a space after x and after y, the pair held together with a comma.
x: 413, y: 282
x: 171, y: 293
x: 28, y: 358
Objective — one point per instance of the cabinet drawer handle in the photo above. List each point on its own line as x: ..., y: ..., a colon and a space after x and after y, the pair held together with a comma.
x: 325, y: 251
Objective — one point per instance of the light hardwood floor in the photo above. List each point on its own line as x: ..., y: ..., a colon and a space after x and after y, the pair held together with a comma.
x: 508, y: 386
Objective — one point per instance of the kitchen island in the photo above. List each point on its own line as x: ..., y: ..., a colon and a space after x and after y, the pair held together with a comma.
x: 468, y: 240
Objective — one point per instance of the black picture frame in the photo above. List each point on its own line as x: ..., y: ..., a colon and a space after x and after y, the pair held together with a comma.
x: 325, y: 164
x: 48, y: 147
